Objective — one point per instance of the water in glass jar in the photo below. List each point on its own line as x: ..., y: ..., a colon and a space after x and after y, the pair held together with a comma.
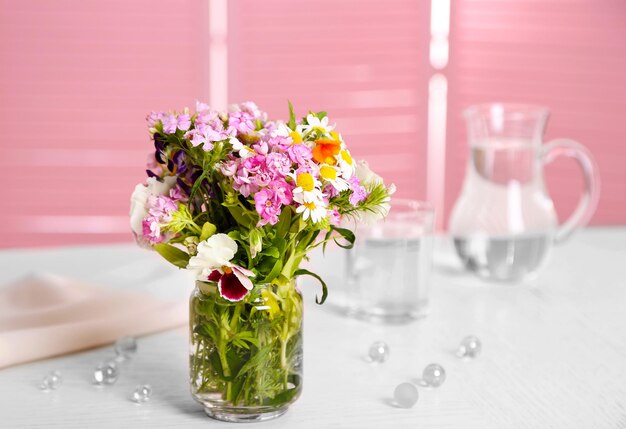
x: 512, y: 257
x: 388, y: 278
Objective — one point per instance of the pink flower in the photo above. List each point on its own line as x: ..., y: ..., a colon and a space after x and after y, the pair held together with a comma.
x: 243, y: 183
x: 171, y: 122
x: 331, y: 191
x: 358, y: 192
x: 243, y: 122
x: 282, y: 191
x: 177, y: 194
x: 267, y: 206
x: 300, y: 153
x: 262, y: 178
x: 229, y: 167
x: 161, y: 207
x: 152, y: 230
x: 184, y: 122
x: 278, y: 164
x: 233, y: 282
x: 261, y: 147
x: 308, y: 167
x: 253, y: 164
x: 153, y: 118
x: 251, y: 108
x: 334, y: 217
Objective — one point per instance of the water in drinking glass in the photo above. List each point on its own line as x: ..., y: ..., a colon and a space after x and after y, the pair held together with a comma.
x: 388, y: 270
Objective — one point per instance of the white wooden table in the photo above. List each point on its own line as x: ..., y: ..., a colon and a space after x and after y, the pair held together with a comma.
x: 554, y: 353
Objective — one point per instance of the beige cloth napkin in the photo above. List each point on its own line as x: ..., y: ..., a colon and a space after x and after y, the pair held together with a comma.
x: 46, y: 315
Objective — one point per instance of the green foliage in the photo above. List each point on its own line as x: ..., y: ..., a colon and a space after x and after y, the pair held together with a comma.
x: 242, y: 352
x: 172, y: 254
x: 302, y: 271
x: 292, y: 117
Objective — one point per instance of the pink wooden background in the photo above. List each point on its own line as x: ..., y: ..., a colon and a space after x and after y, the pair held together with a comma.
x: 78, y: 77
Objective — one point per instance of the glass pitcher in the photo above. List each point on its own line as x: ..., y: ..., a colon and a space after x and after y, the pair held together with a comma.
x: 504, y: 223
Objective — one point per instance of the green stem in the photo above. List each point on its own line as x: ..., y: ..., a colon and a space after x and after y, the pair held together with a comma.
x: 225, y: 369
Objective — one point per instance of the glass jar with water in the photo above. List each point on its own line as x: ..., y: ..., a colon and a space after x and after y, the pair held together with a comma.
x: 504, y: 223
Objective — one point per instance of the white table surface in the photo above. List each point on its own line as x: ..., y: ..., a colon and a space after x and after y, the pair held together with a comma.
x: 554, y: 352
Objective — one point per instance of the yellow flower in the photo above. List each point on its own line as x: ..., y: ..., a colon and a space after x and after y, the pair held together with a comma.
x: 305, y: 181
x: 328, y: 173
x: 296, y: 137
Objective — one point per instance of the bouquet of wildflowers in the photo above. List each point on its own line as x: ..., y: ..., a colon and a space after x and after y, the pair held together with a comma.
x: 240, y: 199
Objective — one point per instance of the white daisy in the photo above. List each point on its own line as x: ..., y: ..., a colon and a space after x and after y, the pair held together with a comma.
x: 329, y: 174
x: 346, y: 164
x: 307, y: 188
x: 315, y: 124
x: 313, y: 209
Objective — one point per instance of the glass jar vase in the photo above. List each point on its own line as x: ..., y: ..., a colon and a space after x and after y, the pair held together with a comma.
x: 246, y: 357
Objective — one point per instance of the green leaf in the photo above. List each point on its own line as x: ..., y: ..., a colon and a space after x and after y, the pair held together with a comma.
x: 208, y: 229
x: 292, y: 117
x: 321, y: 115
x: 239, y: 216
x: 197, y: 184
x: 271, y: 251
x: 279, y: 243
x: 282, y: 397
x: 173, y: 254
x: 347, y: 235
x: 284, y: 223
x: 303, y: 272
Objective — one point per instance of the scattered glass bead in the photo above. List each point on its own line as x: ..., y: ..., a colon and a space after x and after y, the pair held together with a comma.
x: 106, y: 373
x: 142, y: 393
x: 434, y: 375
x: 379, y: 352
x: 125, y: 347
x: 470, y: 347
x: 405, y: 395
x: 51, y: 381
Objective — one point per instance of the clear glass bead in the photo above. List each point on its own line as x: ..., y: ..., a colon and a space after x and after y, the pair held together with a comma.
x: 125, y: 347
x: 51, y: 381
x: 469, y: 347
x: 379, y: 352
x: 142, y: 393
x: 434, y: 375
x: 106, y: 373
x: 405, y: 395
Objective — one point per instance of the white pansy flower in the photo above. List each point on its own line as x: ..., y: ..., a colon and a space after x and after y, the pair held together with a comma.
x: 140, y: 196
x: 213, y: 253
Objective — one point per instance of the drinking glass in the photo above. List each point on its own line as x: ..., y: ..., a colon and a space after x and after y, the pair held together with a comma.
x: 388, y: 269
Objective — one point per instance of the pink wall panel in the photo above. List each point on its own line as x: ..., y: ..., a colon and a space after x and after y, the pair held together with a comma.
x: 77, y: 79
x: 570, y: 56
x: 363, y: 61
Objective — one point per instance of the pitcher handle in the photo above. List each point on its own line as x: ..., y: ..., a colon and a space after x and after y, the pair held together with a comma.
x: 591, y: 193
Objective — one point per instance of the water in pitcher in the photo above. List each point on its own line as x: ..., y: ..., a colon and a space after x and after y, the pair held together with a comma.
x: 504, y: 258
x: 504, y: 221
